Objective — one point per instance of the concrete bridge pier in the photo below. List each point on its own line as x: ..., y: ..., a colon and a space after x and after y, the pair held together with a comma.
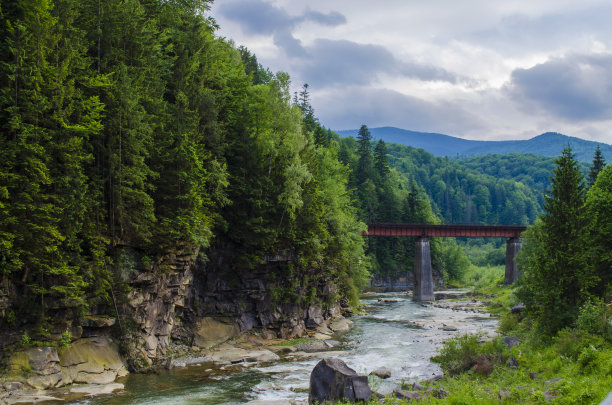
x: 423, y: 277
x: 513, y: 245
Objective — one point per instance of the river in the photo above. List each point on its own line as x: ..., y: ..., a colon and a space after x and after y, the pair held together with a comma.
x: 396, y: 333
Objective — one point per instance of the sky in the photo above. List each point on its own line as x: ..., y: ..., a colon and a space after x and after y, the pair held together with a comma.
x: 474, y: 69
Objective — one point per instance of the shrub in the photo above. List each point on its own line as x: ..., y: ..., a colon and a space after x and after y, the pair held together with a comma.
x: 592, y: 317
x: 459, y: 354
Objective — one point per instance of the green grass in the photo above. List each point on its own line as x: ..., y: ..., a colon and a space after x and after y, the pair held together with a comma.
x: 294, y: 342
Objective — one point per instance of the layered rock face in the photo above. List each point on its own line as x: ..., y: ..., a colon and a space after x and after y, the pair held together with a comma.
x: 203, y: 303
x: 88, y: 360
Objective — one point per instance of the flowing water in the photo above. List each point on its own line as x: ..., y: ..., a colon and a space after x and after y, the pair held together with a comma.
x: 396, y: 333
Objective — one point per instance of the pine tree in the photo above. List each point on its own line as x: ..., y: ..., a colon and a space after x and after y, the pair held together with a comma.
x: 381, y: 164
x: 598, y: 164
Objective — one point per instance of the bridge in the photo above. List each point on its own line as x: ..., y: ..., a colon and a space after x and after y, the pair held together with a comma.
x: 423, y: 277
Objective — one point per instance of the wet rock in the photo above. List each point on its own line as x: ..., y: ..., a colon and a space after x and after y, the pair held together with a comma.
x: 511, y: 341
x: 434, y: 379
x: 381, y: 372
x: 449, y: 329
x: 333, y: 380
x: 483, y: 365
x: 92, y: 390
x: 236, y: 355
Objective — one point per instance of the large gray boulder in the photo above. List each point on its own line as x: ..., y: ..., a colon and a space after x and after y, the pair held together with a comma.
x: 333, y: 380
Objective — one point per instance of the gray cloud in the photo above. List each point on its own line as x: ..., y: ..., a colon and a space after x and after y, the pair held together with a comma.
x: 381, y: 107
x: 261, y: 18
x: 575, y: 87
x: 335, y: 62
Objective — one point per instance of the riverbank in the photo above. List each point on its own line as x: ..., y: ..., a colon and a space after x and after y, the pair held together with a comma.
x: 395, y: 333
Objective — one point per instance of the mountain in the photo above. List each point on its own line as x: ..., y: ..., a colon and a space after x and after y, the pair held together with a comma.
x: 547, y: 144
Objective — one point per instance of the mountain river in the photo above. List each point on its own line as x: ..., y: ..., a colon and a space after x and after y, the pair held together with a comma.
x: 396, y: 333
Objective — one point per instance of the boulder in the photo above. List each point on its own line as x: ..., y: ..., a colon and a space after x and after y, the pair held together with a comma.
x: 332, y: 380
x: 483, y: 365
x: 38, y: 367
x: 511, y: 341
x: 91, y: 361
x: 382, y: 372
x: 340, y: 324
x: 314, y: 317
x: 234, y: 355
x: 401, y: 394
x: 210, y: 332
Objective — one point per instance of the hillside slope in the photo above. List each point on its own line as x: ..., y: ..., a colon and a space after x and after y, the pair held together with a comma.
x: 547, y: 144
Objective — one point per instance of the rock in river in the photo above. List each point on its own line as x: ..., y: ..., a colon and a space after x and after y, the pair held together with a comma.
x: 333, y: 380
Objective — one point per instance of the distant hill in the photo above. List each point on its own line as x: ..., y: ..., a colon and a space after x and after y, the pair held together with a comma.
x: 547, y: 144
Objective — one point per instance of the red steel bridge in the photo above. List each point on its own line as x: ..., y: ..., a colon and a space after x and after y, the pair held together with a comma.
x: 423, y: 277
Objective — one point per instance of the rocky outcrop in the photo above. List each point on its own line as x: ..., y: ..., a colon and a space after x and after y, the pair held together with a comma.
x: 90, y: 360
x: 332, y: 380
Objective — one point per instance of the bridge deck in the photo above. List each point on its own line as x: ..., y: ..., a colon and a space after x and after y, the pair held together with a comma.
x: 427, y: 230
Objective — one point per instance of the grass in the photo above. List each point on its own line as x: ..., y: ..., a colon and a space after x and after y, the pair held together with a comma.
x: 294, y: 342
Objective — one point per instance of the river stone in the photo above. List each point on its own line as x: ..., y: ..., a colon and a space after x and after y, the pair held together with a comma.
x: 236, y: 355
x: 96, y: 389
x: 210, y: 332
x: 382, y: 372
x: 332, y: 380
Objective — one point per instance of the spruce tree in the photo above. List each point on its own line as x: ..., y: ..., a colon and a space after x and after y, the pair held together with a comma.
x: 598, y: 164
x: 554, y: 280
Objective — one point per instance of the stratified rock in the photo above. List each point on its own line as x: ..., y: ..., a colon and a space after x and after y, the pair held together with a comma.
x: 38, y: 367
x: 236, y: 355
x: 210, y: 332
x: 483, y: 365
x: 333, y: 380
x: 92, y: 361
x: 382, y: 372
x: 96, y: 321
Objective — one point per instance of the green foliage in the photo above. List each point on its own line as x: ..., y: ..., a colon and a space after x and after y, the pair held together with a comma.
x: 592, y: 317
x: 596, y: 167
x: 459, y: 354
x: 129, y: 123
x: 554, y: 282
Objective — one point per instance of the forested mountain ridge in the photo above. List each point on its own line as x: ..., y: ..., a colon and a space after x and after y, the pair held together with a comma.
x: 547, y: 144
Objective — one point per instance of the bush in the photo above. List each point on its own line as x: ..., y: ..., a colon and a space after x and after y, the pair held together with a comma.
x: 459, y: 354
x: 592, y: 317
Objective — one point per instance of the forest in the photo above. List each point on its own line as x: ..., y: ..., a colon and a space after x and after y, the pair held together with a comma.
x: 129, y: 123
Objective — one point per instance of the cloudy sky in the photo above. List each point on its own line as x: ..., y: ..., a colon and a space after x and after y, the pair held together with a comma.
x: 476, y: 69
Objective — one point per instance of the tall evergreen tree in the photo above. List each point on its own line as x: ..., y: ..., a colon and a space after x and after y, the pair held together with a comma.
x: 554, y: 283
x: 364, y: 153
x: 598, y: 164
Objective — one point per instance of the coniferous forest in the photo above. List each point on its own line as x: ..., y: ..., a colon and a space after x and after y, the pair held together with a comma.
x: 129, y: 123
